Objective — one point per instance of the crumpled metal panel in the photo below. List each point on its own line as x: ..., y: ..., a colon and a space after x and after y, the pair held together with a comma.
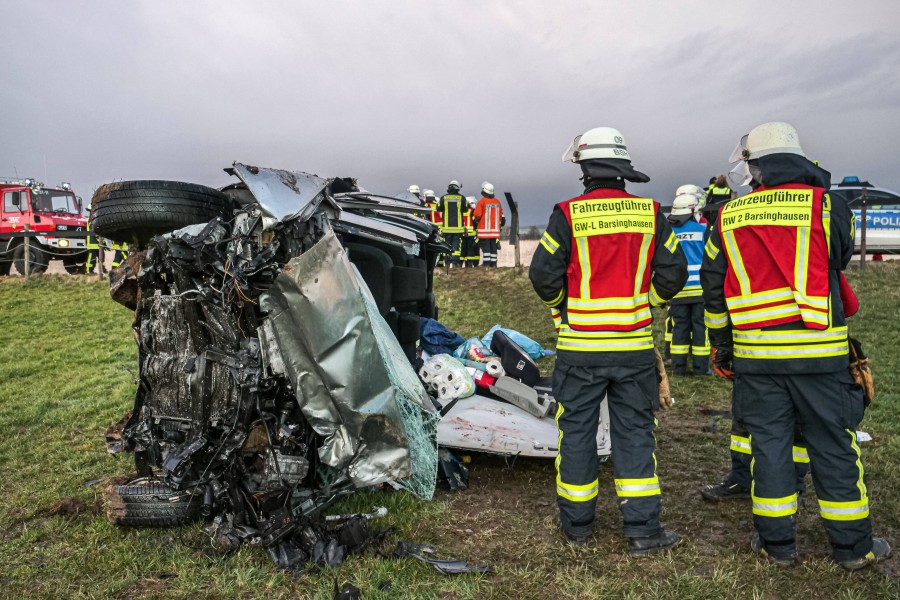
x: 344, y: 381
x: 286, y: 195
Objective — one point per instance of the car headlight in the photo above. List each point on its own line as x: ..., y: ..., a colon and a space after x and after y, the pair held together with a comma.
x: 63, y: 243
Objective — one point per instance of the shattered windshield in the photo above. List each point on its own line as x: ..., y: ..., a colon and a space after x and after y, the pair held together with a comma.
x: 54, y: 201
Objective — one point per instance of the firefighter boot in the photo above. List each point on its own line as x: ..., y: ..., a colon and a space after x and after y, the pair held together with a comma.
x: 659, y: 542
x: 725, y: 490
x: 880, y: 551
x: 783, y: 555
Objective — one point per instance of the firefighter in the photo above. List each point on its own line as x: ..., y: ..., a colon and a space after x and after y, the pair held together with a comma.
x: 92, y: 246
x: 771, y: 285
x: 120, y: 253
x: 699, y: 193
x: 599, y: 272
x: 686, y: 308
x: 469, y: 243
x: 452, y: 205
x: 489, y: 219
x: 717, y: 194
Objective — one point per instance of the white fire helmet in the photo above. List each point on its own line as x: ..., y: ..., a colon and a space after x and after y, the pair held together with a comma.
x: 600, y: 142
x: 472, y: 200
x: 487, y: 187
x: 769, y: 138
x: 429, y: 194
x: 685, y: 204
x: 694, y: 190
x: 413, y: 189
x: 455, y: 184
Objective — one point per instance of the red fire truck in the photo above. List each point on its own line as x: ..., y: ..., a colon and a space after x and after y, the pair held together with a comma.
x: 54, y: 214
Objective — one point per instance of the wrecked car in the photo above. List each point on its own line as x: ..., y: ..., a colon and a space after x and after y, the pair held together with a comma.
x: 276, y: 321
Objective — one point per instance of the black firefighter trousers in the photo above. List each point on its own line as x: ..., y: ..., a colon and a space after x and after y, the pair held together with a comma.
x: 633, y: 396
x: 689, y: 337
x: 829, y: 407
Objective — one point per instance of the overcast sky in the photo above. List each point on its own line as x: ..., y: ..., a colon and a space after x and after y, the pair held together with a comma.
x: 398, y: 92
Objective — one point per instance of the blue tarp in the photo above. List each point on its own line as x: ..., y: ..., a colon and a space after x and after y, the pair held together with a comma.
x: 437, y: 339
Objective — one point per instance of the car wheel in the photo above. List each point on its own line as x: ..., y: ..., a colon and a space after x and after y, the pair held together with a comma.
x: 132, y: 212
x: 37, y: 259
x: 149, y: 503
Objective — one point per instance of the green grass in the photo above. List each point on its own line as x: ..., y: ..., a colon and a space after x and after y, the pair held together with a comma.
x: 64, y: 347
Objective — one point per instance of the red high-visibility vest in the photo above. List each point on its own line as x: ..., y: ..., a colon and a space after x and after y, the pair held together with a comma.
x: 609, y: 267
x: 776, y: 241
x: 488, y: 213
x: 435, y: 215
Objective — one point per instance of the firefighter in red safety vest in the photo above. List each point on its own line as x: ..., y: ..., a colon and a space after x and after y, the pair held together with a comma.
x: 452, y: 205
x: 604, y: 259
x: 489, y: 219
x: 771, y: 288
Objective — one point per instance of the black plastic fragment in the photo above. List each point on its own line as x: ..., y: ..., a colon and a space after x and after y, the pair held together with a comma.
x: 444, y: 567
x: 347, y: 592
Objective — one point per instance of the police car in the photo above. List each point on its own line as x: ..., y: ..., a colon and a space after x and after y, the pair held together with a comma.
x: 882, y: 214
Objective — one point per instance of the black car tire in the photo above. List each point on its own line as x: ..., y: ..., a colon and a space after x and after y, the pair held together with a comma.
x: 132, y: 212
x: 148, y: 503
x: 37, y: 259
x: 75, y: 263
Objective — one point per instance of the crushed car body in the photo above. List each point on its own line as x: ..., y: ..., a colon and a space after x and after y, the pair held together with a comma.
x: 272, y: 377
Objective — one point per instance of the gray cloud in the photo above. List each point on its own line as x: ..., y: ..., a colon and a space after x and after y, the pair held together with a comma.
x: 404, y: 92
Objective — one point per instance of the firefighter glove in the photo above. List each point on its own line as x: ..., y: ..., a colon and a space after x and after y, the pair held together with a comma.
x: 859, y: 370
x: 723, y: 361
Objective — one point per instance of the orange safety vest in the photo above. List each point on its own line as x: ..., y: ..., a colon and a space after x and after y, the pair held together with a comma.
x: 488, y: 213
x: 776, y: 241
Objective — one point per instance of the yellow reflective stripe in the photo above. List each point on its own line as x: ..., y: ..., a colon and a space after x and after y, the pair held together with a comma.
x: 616, y: 302
x: 800, y: 454
x: 556, y: 315
x: 584, y: 263
x: 775, y: 507
x: 598, y: 318
x: 826, y: 221
x: 801, y: 259
x: 577, y: 493
x: 758, y: 298
x: 549, y: 243
x: 715, y: 320
x: 737, y: 262
x: 860, y: 481
x: 786, y: 352
x: 559, y: 412
x: 762, y: 336
x: 671, y: 243
x: 690, y: 292
x: 642, y: 263
x: 680, y: 349
x: 711, y: 251
x: 636, y: 488
x: 609, y: 341
x: 740, y: 444
x: 555, y: 302
x: 700, y: 350
x: 844, y: 511
x: 774, y: 312
x: 655, y: 298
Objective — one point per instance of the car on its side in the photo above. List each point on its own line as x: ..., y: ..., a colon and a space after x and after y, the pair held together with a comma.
x: 882, y: 213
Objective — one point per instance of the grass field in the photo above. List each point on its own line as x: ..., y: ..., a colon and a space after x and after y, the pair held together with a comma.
x: 65, y: 348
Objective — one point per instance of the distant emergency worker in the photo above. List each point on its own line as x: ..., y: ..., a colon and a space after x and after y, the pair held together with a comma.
x: 604, y: 258
x: 452, y: 205
x: 120, y: 253
x: 93, y: 247
x: 717, y: 195
x: 686, y: 308
x: 431, y: 202
x: 489, y: 219
x: 771, y: 285
x: 469, y: 244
